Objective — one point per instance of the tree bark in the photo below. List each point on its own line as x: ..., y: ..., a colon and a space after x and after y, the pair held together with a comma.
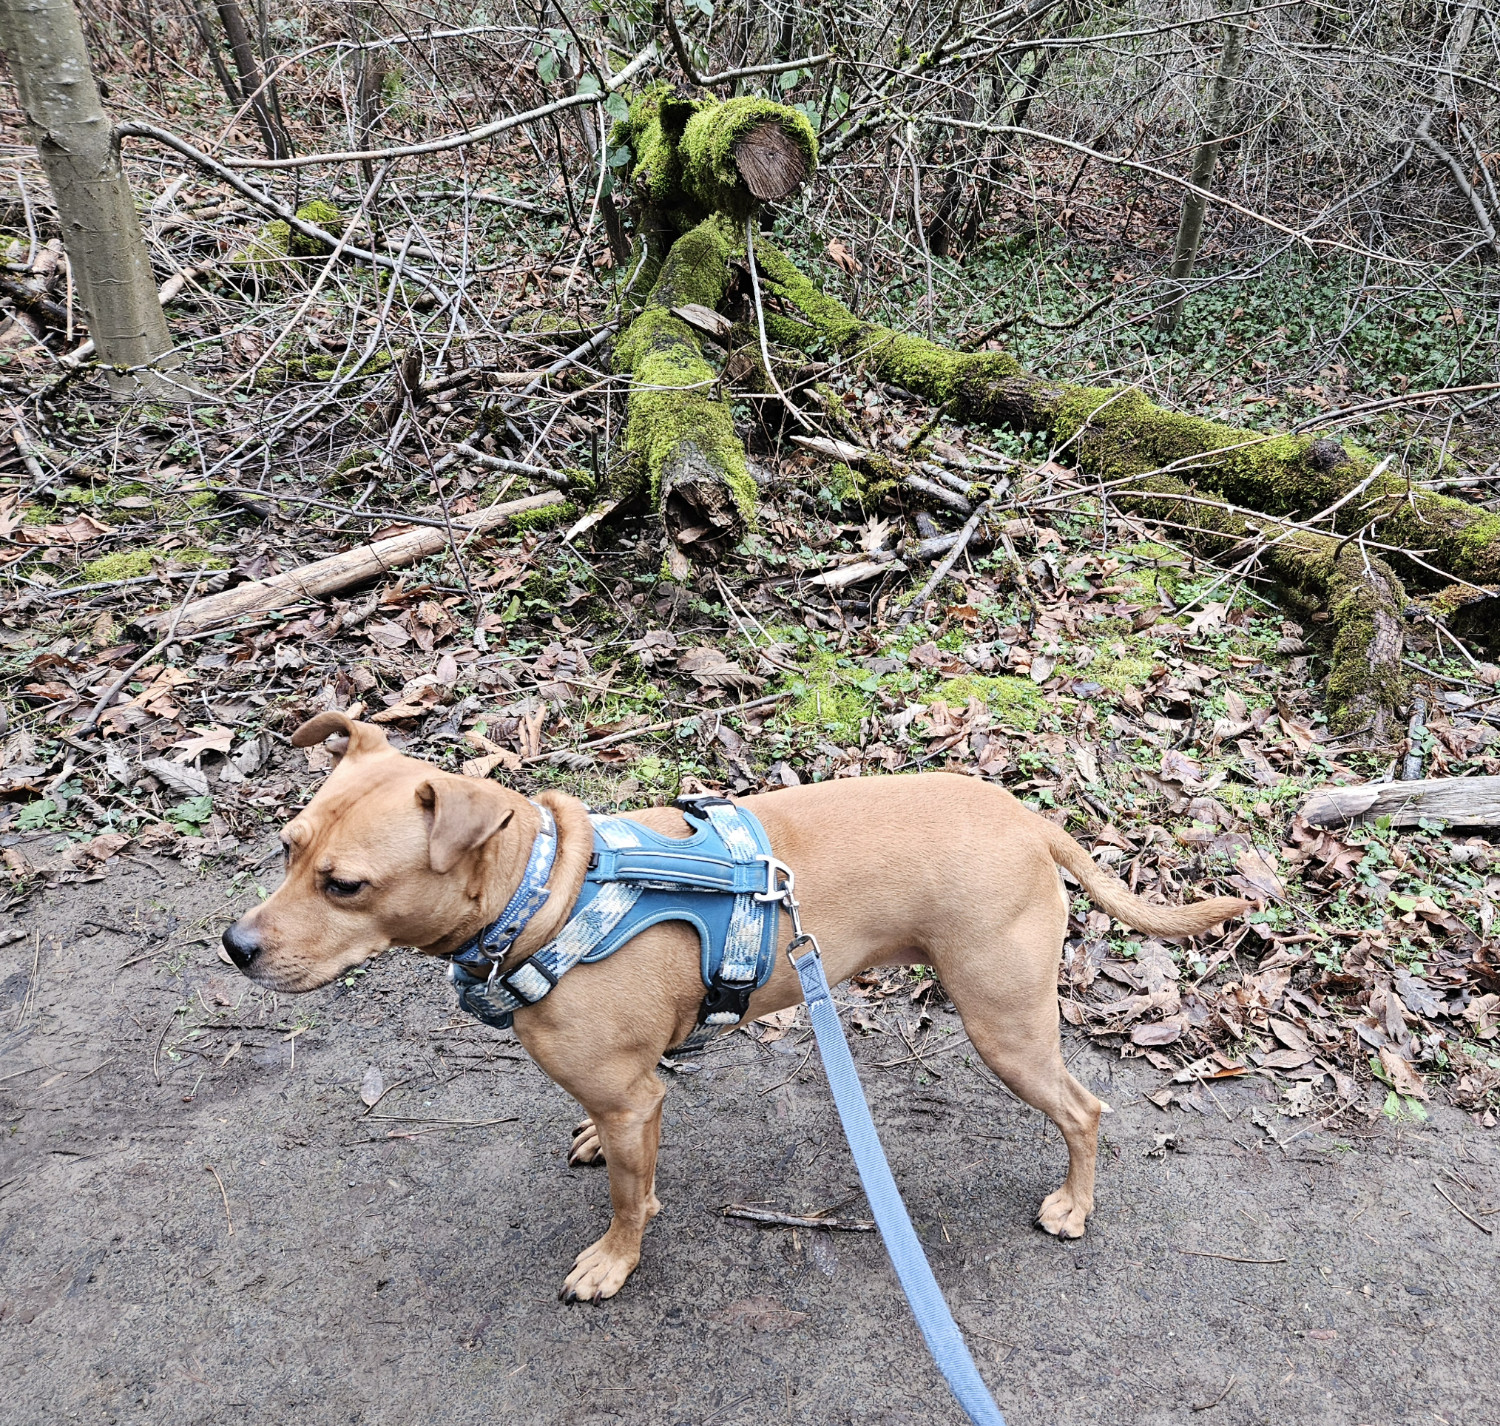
x: 341, y: 571
x: 1205, y: 160
x: 44, y: 45
x: 1364, y: 598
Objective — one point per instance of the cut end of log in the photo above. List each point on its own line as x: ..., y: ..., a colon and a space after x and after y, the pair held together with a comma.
x: 770, y: 162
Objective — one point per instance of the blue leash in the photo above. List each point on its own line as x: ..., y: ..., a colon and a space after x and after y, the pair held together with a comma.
x: 928, y: 1305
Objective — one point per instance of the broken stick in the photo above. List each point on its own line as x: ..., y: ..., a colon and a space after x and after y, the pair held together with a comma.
x: 328, y: 576
x: 1458, y: 801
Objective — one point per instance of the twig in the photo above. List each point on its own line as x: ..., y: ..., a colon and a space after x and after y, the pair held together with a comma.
x: 760, y: 324
x: 223, y: 1193
x: 1231, y: 1258
x: 453, y: 141
x: 619, y: 737
x: 796, y: 1220
x: 1487, y: 1231
x: 92, y: 721
x: 1209, y: 1405
x: 949, y: 560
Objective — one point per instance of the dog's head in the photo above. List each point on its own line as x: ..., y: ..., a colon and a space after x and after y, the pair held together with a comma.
x: 389, y: 852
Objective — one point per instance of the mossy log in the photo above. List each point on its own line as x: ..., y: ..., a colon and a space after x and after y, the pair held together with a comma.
x: 681, y: 451
x: 1363, y: 595
x: 1119, y: 433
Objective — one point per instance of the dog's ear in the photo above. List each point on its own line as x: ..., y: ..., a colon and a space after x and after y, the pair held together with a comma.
x: 463, y: 813
x: 357, y: 738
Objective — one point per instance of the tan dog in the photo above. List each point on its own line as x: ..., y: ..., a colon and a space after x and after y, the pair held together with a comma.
x: 935, y: 869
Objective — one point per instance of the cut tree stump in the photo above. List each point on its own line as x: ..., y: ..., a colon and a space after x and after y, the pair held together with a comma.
x: 1457, y: 801
x: 328, y: 576
x: 771, y: 162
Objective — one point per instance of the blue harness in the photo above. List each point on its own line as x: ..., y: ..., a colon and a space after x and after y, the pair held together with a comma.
x: 716, y: 880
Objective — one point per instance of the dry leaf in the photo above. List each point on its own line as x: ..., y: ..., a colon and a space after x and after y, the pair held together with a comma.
x: 189, y: 781
x: 844, y: 258
x: 210, y: 739
x: 710, y: 668
x: 1404, y: 1076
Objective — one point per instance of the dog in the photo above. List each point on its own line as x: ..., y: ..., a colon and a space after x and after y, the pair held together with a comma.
x: 933, y: 869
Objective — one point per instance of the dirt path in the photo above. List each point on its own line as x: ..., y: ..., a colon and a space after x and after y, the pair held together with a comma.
x: 391, y: 1269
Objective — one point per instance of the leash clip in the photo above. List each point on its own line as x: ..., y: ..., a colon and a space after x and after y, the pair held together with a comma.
x: 802, y: 940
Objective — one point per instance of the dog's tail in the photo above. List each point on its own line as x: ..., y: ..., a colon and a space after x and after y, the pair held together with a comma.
x: 1111, y: 894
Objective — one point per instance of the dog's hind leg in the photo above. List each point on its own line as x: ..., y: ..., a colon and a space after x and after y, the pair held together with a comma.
x: 1008, y: 1002
x: 624, y: 1108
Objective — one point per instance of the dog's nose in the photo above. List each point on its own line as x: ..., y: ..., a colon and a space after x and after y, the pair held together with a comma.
x: 241, y: 945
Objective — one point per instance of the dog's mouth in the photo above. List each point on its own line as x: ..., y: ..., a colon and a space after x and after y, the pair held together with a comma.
x: 299, y: 979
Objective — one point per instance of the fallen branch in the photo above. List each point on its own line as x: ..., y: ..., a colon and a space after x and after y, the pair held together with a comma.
x: 1458, y: 801
x: 949, y: 560
x: 328, y: 576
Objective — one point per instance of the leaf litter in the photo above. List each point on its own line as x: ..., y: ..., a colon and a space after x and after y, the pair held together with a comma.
x: 1111, y: 680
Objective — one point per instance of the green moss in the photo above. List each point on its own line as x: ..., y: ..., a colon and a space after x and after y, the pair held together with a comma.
x: 122, y: 564
x: 1118, y: 674
x: 196, y: 557
x: 544, y: 518
x: 707, y: 150
x: 674, y: 415
x: 1015, y: 702
x: 1164, y: 573
x: 326, y: 216
x: 911, y: 362
x: 682, y: 151
x: 264, y: 254
x: 826, y: 698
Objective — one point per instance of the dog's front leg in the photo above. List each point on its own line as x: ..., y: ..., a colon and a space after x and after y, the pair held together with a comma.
x: 627, y: 1121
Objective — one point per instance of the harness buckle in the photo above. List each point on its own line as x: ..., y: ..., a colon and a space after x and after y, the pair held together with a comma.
x: 725, y: 998
x: 803, y: 940
x: 526, y: 997
x: 700, y: 801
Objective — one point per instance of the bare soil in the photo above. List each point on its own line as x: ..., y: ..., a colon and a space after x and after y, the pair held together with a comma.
x: 392, y: 1266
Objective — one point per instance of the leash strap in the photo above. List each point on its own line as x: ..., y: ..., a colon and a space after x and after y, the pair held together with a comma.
x: 928, y: 1305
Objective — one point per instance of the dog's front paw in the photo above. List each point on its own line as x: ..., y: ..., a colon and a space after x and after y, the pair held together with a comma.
x: 586, y: 1146
x: 1062, y: 1215
x: 601, y: 1269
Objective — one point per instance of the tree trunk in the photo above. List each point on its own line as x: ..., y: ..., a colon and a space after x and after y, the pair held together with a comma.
x: 252, y: 84
x: 102, y: 235
x: 681, y: 450
x: 1117, y: 432
x: 1205, y: 159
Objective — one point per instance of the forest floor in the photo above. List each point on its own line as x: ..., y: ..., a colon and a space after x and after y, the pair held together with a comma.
x: 204, y: 1223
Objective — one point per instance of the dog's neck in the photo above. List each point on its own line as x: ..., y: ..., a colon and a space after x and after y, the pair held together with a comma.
x: 575, y: 844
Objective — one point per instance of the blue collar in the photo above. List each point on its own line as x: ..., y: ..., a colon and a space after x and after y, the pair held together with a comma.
x: 481, y: 953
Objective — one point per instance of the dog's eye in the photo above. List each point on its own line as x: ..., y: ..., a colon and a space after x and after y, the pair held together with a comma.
x: 335, y: 887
